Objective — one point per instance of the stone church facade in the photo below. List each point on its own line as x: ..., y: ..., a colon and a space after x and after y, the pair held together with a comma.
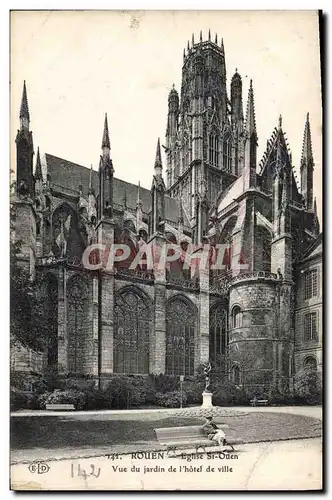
x: 260, y: 317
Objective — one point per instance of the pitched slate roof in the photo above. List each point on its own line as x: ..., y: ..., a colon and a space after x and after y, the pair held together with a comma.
x: 68, y: 175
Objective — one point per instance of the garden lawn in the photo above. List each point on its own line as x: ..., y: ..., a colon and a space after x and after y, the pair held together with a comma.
x: 93, y: 431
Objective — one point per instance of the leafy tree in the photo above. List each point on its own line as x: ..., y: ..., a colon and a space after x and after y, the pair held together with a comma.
x: 28, y: 325
x: 308, y: 387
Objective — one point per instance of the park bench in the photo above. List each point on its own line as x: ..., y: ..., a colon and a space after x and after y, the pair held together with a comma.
x: 59, y: 407
x: 191, y: 436
x: 259, y: 402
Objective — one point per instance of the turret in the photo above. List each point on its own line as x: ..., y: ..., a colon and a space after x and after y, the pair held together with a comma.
x: 307, y: 166
x: 236, y: 102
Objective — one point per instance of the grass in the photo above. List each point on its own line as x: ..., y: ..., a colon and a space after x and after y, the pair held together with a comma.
x: 61, y: 432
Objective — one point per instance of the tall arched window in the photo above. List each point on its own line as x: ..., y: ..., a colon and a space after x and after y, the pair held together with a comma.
x: 218, y: 335
x: 49, y: 309
x: 214, y: 149
x: 181, y: 319
x: 236, y: 317
x: 132, y: 325
x: 79, y: 324
x: 227, y: 153
x: 185, y: 153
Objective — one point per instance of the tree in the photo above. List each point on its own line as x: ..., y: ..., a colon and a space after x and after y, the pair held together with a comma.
x: 28, y: 326
x: 308, y: 386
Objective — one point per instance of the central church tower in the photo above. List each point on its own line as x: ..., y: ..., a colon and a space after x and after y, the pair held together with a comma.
x: 203, y: 133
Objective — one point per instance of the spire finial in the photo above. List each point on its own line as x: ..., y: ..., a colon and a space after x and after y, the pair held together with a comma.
x: 209, y: 35
x: 250, y: 115
x: 315, y: 206
x: 188, y: 47
x: 184, y: 53
x: 222, y: 44
x: 158, y: 164
x: 200, y: 36
x: 307, y: 116
x: 216, y: 39
x: 38, y: 171
x: 106, y: 139
x: 24, y: 110
x: 280, y: 122
x: 192, y: 40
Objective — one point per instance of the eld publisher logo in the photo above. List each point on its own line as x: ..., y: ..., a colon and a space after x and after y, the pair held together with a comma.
x: 38, y: 467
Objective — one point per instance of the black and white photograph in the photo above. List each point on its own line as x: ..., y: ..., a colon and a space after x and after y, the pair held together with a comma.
x: 166, y: 250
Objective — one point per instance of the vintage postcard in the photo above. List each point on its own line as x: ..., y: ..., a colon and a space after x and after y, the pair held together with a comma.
x: 166, y: 250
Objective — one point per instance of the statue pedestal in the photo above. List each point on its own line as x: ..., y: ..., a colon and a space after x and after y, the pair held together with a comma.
x: 207, y: 400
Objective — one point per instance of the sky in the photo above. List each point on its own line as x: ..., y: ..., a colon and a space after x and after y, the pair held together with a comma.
x: 79, y: 65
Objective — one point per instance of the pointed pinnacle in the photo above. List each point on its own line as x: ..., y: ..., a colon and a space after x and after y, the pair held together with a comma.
x: 188, y: 47
x: 200, y: 36
x: 222, y: 44
x: 106, y: 139
x: 209, y: 34
x: 138, y: 193
x: 216, y: 39
x: 184, y: 53
x: 280, y: 122
x: 157, y: 162
x: 306, y: 146
x: 38, y: 171
x: 315, y: 204
x: 90, y: 181
x: 250, y: 114
x: 24, y: 111
x: 192, y: 40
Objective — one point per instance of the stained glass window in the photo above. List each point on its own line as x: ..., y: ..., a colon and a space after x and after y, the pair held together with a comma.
x: 181, y: 320
x: 132, y: 324
x: 77, y: 323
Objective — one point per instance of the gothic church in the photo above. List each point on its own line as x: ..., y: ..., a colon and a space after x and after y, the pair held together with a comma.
x: 262, y: 323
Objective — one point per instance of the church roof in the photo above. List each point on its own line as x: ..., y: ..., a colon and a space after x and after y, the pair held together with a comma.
x: 233, y: 192
x: 68, y: 175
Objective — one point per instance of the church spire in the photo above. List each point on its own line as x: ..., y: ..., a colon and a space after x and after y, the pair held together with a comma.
x: 307, y: 166
x: 306, y: 146
x: 250, y: 123
x: 158, y: 167
x: 38, y: 171
x: 24, y: 110
x: 106, y: 139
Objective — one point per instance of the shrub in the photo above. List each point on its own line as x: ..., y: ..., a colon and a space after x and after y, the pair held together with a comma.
x: 124, y: 391
x: 171, y: 399
x: 18, y: 400
x: 70, y: 396
x: 164, y: 383
x: 47, y: 382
